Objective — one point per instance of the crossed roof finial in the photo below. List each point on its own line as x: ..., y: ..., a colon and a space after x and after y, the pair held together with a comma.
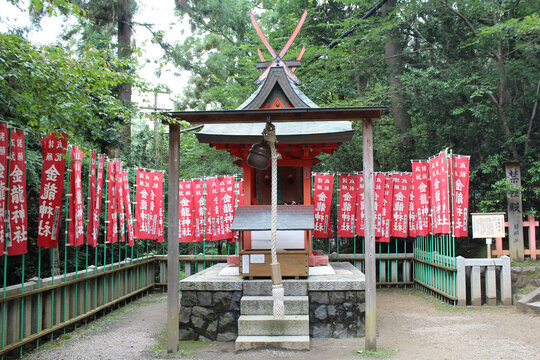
x: 278, y: 58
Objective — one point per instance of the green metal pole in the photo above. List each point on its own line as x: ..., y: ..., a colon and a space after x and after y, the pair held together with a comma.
x: 38, y: 296
x: 4, y: 303
x: 76, y: 284
x: 66, y: 245
x: 21, y: 333
x: 106, y: 179
x: 337, y: 208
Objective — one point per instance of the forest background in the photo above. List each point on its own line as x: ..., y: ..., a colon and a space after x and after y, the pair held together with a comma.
x: 463, y: 75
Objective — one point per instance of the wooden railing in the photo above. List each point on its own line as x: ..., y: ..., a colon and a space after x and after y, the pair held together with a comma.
x: 469, y: 281
x: 42, y: 307
x: 532, y: 251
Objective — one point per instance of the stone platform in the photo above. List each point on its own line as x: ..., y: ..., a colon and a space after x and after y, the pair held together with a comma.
x: 211, y: 301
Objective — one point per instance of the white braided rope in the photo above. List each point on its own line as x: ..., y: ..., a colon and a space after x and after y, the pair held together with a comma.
x: 278, y: 292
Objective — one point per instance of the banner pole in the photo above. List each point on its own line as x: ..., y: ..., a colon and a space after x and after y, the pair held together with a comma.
x: 68, y: 220
x: 106, y: 179
x: 38, y: 296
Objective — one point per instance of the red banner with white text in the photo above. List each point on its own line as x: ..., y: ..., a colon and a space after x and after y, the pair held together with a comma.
x: 199, y: 208
x: 348, y: 188
x: 386, y: 210
x: 380, y: 180
x: 17, y: 207
x: 461, y: 194
x: 212, y: 209
x: 322, y: 195
x: 156, y: 194
x: 185, y: 211
x: 421, y: 197
x: 360, y: 207
x: 54, y: 148
x: 4, y: 146
x: 127, y: 203
x: 413, y: 223
x: 438, y: 175
x: 91, y: 200
x: 112, y: 215
x: 226, y: 205
x: 120, y: 200
x: 142, y: 208
x: 400, y: 205
x: 96, y: 214
x: 76, y: 205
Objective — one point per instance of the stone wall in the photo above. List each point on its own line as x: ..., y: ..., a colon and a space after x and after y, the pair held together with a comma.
x: 209, y: 315
x: 337, y: 314
x: 525, y: 277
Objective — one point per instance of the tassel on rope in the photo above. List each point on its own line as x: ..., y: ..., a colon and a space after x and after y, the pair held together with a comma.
x: 278, y: 292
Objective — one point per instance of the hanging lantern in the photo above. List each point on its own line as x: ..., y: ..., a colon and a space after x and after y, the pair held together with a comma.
x: 259, y: 156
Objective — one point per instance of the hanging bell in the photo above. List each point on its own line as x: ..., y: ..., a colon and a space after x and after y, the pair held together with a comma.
x: 259, y: 156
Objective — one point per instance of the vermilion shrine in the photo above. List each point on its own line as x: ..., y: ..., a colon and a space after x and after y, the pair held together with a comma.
x: 233, y: 302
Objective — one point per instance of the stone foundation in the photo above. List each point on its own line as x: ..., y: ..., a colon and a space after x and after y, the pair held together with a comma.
x: 210, y: 303
x: 337, y: 314
x: 209, y: 315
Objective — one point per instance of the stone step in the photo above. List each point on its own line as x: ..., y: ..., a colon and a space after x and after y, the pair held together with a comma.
x: 272, y: 342
x: 264, y: 305
x: 534, y: 307
x: 263, y: 287
x: 255, y: 325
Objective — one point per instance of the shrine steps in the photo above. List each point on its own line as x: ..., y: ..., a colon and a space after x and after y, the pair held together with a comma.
x: 258, y: 329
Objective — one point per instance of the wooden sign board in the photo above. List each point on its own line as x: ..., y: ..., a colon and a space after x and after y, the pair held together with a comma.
x: 488, y: 225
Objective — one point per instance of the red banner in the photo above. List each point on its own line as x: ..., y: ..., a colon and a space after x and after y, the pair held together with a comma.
x: 348, y: 188
x: 185, y: 209
x: 386, y: 210
x: 127, y: 202
x: 438, y: 175
x: 380, y: 180
x: 4, y: 145
x: 413, y: 222
x: 91, y: 200
x: 120, y: 200
x: 212, y: 209
x: 96, y: 214
x: 322, y: 195
x: 239, y: 201
x: 17, y: 208
x: 461, y: 194
x: 52, y: 185
x: 421, y: 197
x: 156, y: 194
x: 76, y: 204
x: 227, y: 205
x: 400, y: 205
x: 112, y: 215
x: 239, y: 193
x: 143, y: 214
x: 360, y: 207
x: 199, y: 208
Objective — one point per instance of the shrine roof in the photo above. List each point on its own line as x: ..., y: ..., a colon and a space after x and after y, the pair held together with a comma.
x: 286, y: 132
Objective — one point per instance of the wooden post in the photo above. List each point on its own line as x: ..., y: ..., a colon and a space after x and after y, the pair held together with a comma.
x: 515, y: 214
x: 461, y: 281
x: 532, y: 237
x: 172, y: 239
x: 369, y: 224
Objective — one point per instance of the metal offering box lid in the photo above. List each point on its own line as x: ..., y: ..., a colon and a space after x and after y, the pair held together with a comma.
x: 259, y: 217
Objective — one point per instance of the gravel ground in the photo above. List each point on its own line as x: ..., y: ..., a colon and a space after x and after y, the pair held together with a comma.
x: 411, y: 325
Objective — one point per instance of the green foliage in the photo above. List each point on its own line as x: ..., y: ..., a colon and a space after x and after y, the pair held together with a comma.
x: 49, y: 88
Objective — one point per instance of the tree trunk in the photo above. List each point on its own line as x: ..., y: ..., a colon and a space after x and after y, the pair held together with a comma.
x: 125, y: 32
x: 53, y: 254
x: 402, y: 120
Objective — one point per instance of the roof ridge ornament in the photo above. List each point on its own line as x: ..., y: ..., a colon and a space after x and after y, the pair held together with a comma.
x: 278, y: 58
